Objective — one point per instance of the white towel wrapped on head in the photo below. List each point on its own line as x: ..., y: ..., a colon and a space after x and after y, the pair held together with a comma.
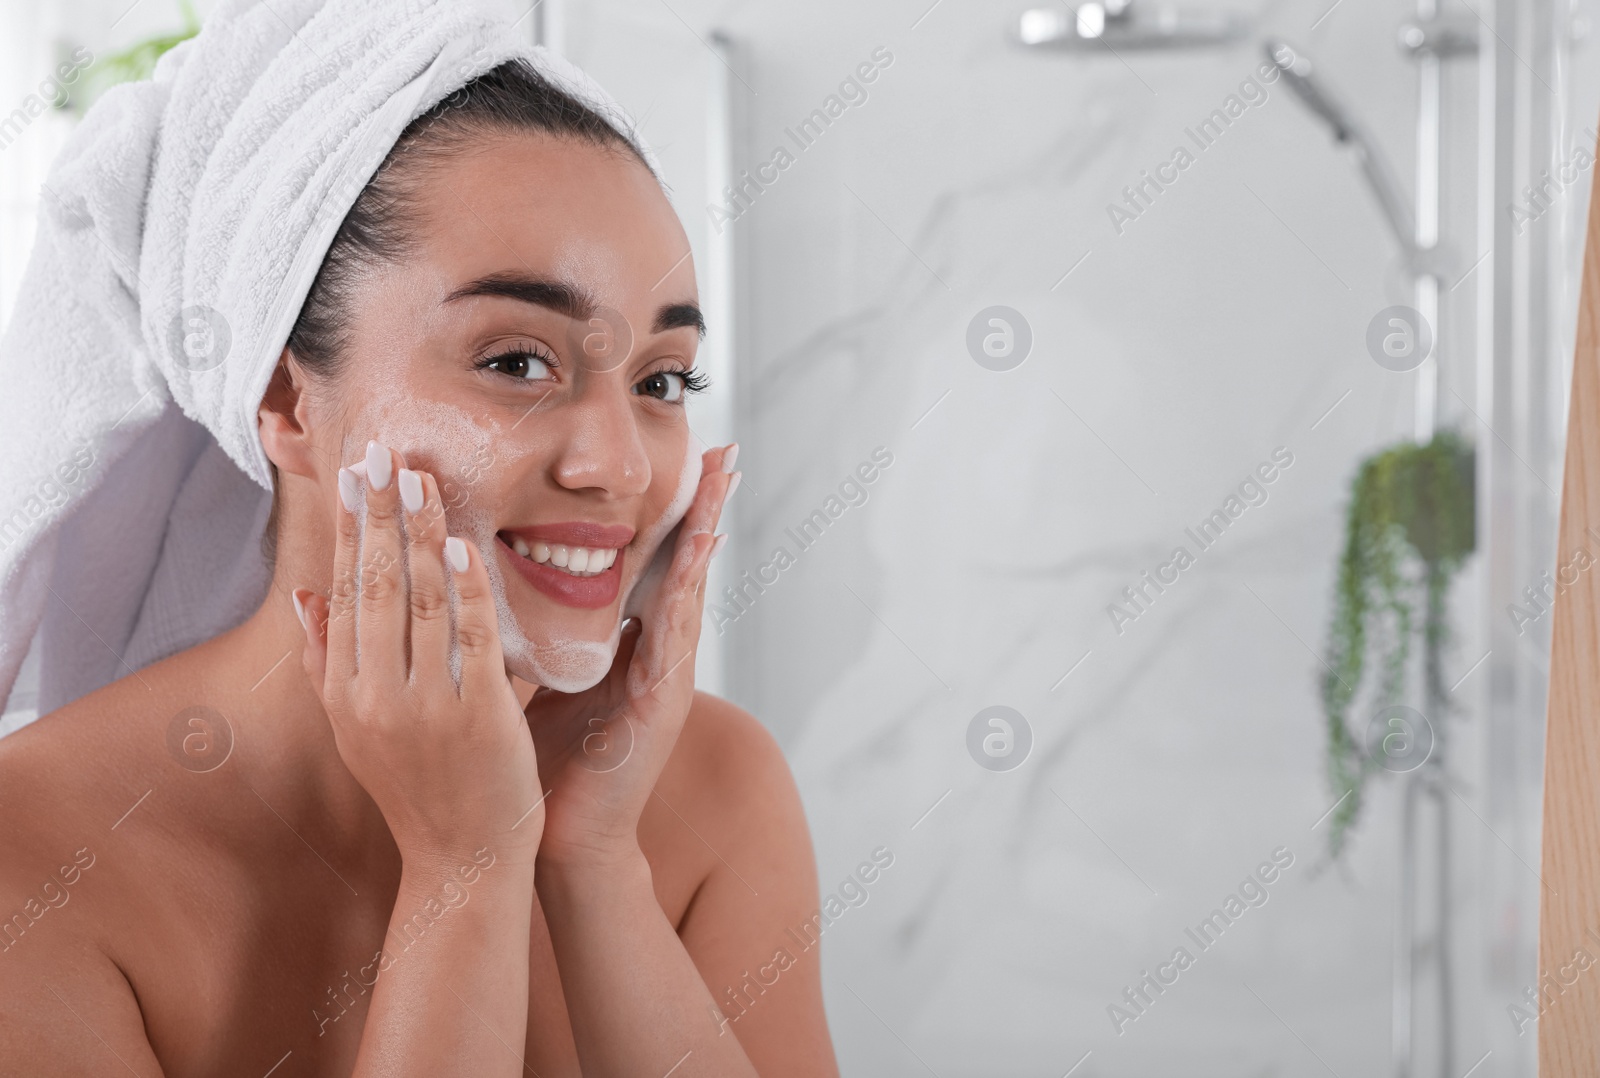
x: 180, y: 231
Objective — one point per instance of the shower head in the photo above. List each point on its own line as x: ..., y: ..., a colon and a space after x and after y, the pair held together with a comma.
x: 1124, y: 24
x: 1295, y: 67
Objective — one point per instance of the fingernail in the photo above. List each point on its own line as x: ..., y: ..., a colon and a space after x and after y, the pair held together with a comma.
x: 733, y: 485
x: 379, y: 466
x: 349, y: 492
x: 717, y: 545
x: 729, y: 455
x: 299, y: 607
x: 411, y: 490
x: 455, y: 551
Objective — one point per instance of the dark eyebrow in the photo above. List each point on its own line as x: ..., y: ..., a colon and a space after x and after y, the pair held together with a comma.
x: 571, y: 300
x: 559, y: 296
x: 680, y: 316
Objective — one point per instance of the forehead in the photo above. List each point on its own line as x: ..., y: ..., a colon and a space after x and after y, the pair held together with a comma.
x: 557, y: 207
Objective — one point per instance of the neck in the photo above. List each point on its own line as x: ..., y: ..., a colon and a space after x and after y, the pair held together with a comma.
x: 284, y: 745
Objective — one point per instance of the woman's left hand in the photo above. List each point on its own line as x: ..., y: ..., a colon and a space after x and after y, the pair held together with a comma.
x: 601, y: 751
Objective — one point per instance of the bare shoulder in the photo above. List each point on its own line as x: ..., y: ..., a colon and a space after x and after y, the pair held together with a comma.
x: 65, y: 1007
x: 58, y: 772
x: 735, y: 813
x: 728, y: 769
x: 66, y: 779
x: 724, y: 744
x: 727, y: 807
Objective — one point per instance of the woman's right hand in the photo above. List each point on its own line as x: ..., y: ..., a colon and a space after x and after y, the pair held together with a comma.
x: 451, y: 768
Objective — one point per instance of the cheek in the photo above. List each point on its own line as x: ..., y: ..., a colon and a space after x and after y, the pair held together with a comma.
x: 466, y: 459
x: 679, y: 472
x: 657, y: 535
x: 675, y: 471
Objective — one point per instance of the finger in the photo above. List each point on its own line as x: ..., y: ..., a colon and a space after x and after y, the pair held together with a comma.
x: 666, y: 649
x: 382, y: 606
x: 313, y: 612
x: 674, y: 627
x: 727, y: 458
x: 340, y: 633
x: 483, y: 668
x: 722, y: 507
x: 429, y: 585
x: 729, y: 454
x: 697, y: 542
x: 712, y: 492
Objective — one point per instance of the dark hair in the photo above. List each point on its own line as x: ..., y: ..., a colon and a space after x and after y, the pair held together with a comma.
x: 381, y: 225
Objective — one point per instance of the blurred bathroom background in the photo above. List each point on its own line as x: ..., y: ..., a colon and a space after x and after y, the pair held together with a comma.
x: 1043, y: 457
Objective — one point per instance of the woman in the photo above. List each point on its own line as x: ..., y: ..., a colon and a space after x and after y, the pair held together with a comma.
x: 437, y: 809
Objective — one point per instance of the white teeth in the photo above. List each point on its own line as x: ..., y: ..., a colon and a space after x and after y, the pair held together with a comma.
x: 577, y: 560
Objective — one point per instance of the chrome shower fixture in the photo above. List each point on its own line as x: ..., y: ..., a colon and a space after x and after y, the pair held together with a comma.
x: 1296, y: 70
x: 1446, y: 38
x: 1127, y: 24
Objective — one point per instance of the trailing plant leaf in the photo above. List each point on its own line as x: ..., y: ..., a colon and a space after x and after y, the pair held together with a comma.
x: 1409, y: 528
x: 138, y: 61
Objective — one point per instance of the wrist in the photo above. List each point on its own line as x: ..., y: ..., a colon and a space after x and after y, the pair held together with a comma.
x: 431, y: 869
x: 440, y: 850
x: 611, y: 868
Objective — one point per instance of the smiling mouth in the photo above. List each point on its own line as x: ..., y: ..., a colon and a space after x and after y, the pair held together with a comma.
x: 577, y: 564
x: 573, y: 560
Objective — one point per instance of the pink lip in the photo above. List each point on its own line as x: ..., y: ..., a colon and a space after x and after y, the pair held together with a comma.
x: 582, y: 592
x: 577, y: 533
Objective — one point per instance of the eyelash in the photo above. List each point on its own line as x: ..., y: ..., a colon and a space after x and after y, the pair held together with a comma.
x: 517, y: 352
x: 694, y: 380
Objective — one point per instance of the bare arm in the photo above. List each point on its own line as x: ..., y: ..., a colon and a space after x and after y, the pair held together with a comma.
x: 754, y: 928
x: 452, y: 771
x: 637, y: 1003
x: 636, y: 995
x: 743, y: 970
x: 452, y: 989
x: 66, y: 1010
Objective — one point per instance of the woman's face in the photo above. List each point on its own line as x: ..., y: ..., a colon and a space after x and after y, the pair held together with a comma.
x: 531, y: 355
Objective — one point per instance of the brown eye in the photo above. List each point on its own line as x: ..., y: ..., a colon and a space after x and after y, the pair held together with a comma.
x: 663, y: 385
x: 520, y: 364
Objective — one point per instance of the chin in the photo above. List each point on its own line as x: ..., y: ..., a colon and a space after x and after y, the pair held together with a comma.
x: 557, y: 630
x: 561, y: 631
x: 560, y: 628
x: 569, y: 665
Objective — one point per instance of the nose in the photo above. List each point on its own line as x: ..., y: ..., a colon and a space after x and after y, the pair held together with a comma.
x: 603, y: 450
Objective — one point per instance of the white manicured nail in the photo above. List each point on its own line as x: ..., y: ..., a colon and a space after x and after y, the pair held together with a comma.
x: 299, y: 607
x: 349, y: 491
x: 733, y: 485
x: 411, y: 490
x: 730, y: 455
x: 379, y: 466
x: 716, y: 546
x: 455, y: 551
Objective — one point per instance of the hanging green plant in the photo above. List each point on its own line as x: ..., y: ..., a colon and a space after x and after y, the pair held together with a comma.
x: 138, y: 61
x: 1409, y: 528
